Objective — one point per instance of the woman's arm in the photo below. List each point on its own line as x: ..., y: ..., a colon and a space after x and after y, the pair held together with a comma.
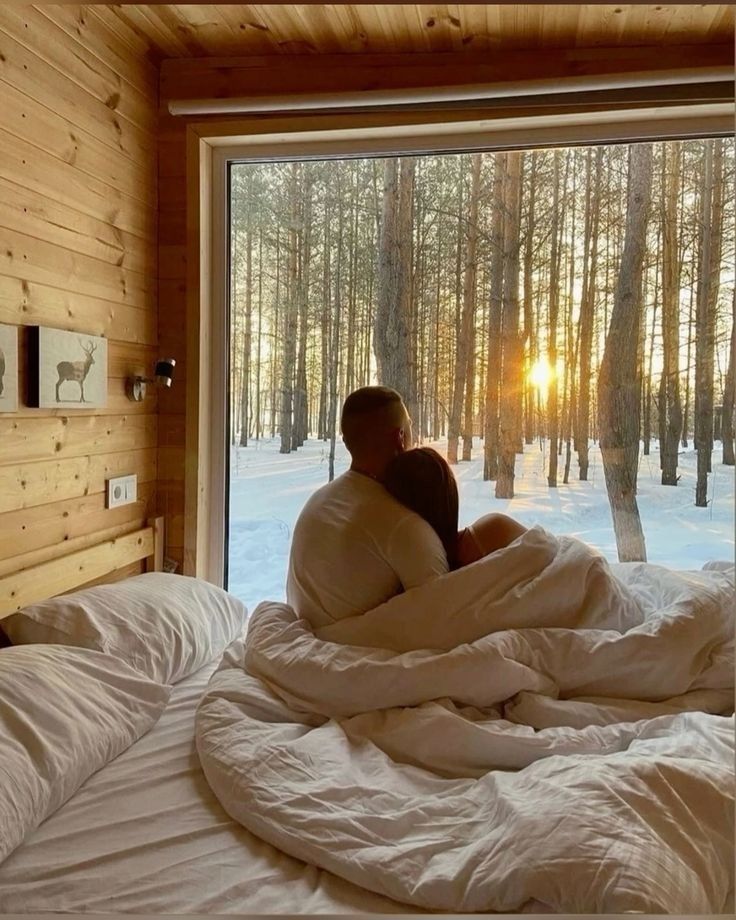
x: 486, y: 535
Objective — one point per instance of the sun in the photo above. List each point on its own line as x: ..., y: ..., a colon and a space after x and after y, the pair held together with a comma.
x: 541, y: 374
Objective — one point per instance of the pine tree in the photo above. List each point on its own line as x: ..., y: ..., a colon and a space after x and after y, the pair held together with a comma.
x: 619, y: 405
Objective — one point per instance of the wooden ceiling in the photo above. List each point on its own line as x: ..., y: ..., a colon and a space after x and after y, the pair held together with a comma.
x: 217, y: 30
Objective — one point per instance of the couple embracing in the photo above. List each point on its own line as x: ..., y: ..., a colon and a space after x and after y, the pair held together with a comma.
x: 388, y: 524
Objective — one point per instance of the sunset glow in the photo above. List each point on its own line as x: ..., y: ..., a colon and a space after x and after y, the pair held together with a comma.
x: 541, y: 374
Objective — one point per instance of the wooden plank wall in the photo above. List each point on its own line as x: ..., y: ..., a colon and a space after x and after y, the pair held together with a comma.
x: 78, y: 251
x: 172, y: 235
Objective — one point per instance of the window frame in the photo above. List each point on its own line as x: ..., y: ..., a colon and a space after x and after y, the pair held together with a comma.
x: 213, y: 146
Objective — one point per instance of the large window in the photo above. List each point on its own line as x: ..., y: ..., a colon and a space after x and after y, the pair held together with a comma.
x: 489, y: 289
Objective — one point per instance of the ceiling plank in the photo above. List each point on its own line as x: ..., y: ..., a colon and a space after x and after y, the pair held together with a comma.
x: 247, y: 29
x: 220, y: 30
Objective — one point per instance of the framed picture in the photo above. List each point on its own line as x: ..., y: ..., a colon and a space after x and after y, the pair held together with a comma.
x: 66, y: 369
x: 8, y: 368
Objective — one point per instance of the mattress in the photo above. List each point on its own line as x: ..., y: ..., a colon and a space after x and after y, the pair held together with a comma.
x: 146, y: 835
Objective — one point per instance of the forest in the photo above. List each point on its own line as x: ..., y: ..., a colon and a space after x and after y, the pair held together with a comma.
x: 572, y: 295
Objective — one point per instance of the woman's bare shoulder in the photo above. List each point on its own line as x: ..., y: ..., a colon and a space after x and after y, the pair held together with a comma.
x: 467, y: 547
x: 495, y: 531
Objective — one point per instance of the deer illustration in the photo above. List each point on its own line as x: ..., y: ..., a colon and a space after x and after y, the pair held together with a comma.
x: 76, y: 370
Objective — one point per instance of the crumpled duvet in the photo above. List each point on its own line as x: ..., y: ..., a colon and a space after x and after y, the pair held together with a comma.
x: 538, y: 727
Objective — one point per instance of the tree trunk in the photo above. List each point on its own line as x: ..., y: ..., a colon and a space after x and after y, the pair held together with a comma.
x: 248, y: 334
x: 619, y: 405
x: 259, y: 343
x: 335, y: 342
x: 392, y: 326
x: 301, y: 402
x: 554, y: 305
x: 436, y: 346
x: 459, y: 238
x: 493, y: 367
x: 245, y: 409
x: 291, y: 317
x: 511, y: 364
x: 727, y: 418
x: 469, y: 393
x: 707, y: 297
x: 670, y: 408
x: 352, y: 295
x: 647, y: 369
x: 323, y: 412
x: 277, y: 327
x: 530, y: 391
x: 419, y: 321
x: 463, y: 339
x: 571, y: 345
x: 587, y: 315
x: 690, y: 325
x: 407, y: 178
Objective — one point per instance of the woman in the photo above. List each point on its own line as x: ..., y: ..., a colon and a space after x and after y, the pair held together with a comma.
x: 422, y: 480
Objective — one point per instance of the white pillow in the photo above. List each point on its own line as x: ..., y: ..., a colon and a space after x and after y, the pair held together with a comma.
x: 167, y: 626
x: 64, y: 714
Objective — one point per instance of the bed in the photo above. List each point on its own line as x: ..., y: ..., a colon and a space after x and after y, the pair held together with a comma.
x: 146, y: 834
x: 156, y: 831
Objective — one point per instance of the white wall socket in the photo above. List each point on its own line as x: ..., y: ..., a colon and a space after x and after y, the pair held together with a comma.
x: 122, y: 491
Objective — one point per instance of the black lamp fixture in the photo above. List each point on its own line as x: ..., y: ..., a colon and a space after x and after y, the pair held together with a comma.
x: 163, y: 376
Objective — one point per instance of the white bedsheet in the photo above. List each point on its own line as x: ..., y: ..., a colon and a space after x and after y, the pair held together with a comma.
x: 493, y: 739
x: 146, y: 835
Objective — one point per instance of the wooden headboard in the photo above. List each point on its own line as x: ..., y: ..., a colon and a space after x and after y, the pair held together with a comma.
x: 66, y: 573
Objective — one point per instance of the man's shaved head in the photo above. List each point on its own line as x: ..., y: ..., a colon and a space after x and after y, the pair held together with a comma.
x: 375, y: 423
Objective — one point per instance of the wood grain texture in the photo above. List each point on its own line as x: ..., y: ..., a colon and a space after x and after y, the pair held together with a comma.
x: 44, y: 527
x: 57, y: 576
x: 108, y: 40
x: 35, y: 215
x: 44, y: 76
x: 79, y: 63
x: 78, y: 251
x: 155, y: 562
x: 199, y: 30
x: 128, y: 571
x: 262, y: 76
x: 45, y: 129
x: 44, y: 438
x: 55, y: 174
x: 40, y: 482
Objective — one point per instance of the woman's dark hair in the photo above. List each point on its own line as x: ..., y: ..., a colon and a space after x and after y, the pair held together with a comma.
x: 422, y: 480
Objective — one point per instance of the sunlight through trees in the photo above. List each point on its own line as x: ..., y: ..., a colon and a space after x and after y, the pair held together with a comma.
x: 512, y: 297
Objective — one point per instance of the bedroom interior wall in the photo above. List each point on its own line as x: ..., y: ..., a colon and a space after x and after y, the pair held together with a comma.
x: 78, y: 251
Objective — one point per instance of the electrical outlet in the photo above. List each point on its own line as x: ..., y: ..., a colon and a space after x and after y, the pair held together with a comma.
x: 123, y: 490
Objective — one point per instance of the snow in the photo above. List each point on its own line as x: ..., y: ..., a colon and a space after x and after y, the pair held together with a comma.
x: 268, y: 489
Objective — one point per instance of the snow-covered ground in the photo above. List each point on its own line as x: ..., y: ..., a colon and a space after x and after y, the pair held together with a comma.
x: 267, y: 490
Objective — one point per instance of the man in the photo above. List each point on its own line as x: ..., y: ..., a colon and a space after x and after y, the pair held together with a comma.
x: 354, y: 546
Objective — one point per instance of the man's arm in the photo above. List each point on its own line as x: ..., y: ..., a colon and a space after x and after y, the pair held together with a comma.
x: 415, y: 552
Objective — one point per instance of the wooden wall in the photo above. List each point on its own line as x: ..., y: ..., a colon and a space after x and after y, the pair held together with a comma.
x: 78, y: 251
x: 173, y: 329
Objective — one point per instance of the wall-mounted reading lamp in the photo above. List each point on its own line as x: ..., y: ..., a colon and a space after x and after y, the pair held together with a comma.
x: 162, y: 376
